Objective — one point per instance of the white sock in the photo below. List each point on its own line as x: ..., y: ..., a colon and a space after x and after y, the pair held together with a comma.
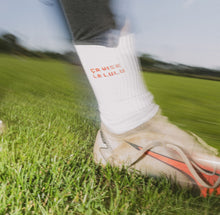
x: 114, y: 74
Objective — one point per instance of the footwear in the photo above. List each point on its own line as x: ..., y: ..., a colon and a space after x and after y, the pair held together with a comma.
x: 2, y: 127
x: 159, y: 148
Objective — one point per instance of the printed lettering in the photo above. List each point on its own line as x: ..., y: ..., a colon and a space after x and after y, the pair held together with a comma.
x: 92, y: 70
x: 101, y: 72
x: 110, y: 73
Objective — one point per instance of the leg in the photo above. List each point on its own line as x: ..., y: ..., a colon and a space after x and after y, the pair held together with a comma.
x: 133, y: 132
x: 91, y: 22
x: 111, y: 65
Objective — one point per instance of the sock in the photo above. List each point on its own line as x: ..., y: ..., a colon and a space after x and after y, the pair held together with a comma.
x: 114, y: 74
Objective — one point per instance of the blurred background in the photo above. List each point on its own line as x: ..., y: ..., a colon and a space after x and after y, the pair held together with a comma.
x: 178, y: 32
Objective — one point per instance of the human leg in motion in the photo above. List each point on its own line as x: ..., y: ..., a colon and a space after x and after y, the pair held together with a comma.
x: 133, y: 132
x: 110, y: 63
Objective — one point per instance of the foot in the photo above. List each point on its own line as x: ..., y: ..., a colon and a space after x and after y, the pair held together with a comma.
x: 159, y: 148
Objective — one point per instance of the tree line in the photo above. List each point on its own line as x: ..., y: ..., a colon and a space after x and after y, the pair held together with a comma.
x: 9, y: 44
x: 149, y: 64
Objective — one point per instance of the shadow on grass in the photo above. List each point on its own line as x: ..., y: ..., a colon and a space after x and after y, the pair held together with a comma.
x: 152, y: 190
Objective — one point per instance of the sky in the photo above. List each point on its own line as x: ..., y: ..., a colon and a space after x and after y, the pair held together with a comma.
x: 177, y: 31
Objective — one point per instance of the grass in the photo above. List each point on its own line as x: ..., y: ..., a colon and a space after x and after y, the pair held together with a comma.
x: 192, y: 104
x: 46, y: 163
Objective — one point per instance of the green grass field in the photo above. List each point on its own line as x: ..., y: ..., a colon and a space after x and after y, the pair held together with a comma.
x: 46, y: 162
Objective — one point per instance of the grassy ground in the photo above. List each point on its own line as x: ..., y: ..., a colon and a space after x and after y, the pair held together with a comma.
x: 46, y: 164
x: 193, y: 104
